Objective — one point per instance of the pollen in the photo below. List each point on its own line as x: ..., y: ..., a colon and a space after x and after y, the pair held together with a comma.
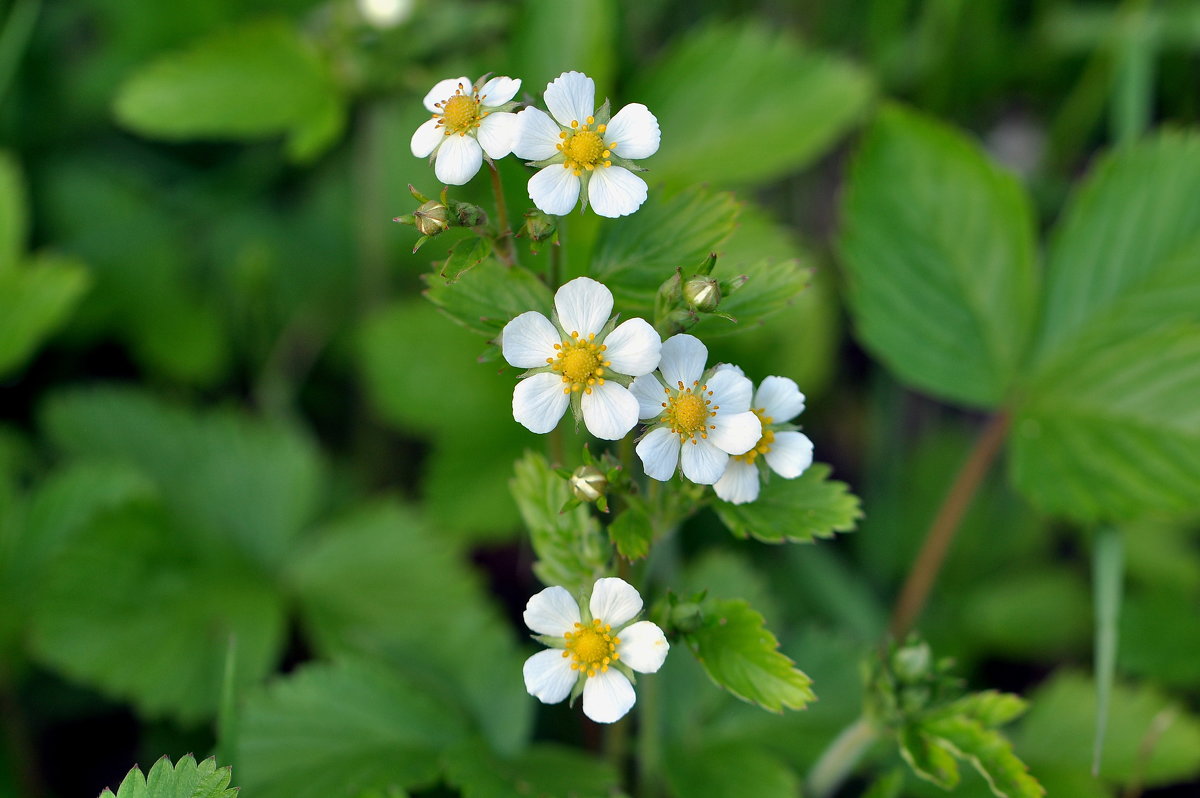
x: 764, y: 443
x: 584, y: 148
x: 593, y: 648
x: 581, y: 363
x: 689, y: 409
x: 460, y: 113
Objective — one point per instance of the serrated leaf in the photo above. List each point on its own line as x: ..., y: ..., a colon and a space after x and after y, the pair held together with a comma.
x: 771, y: 285
x: 570, y: 549
x: 989, y: 753
x: 939, y: 246
x: 464, y: 256
x: 723, y: 770
x: 989, y: 708
x: 35, y: 299
x: 713, y: 129
x: 337, y: 731
x: 257, y: 80
x: 489, y: 296
x: 541, y: 770
x: 186, y: 779
x: 796, y: 510
x: 632, y: 533
x: 928, y: 758
x: 739, y: 654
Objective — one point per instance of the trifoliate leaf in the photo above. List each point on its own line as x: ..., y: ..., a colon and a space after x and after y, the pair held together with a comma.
x: 257, y: 80
x: 1109, y: 428
x: 727, y: 771
x: 928, y: 758
x: 794, y: 510
x: 939, y: 247
x: 570, y: 548
x: 741, y: 655
x: 337, y: 731
x: 489, y: 296
x: 541, y: 770
x: 989, y: 752
x: 713, y: 129
x: 35, y: 299
x: 186, y: 779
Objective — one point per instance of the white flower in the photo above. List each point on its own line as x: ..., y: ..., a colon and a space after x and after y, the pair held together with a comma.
x: 584, y: 153
x: 468, y: 121
x: 700, y: 418
x: 787, y: 451
x: 579, y: 359
x: 593, y: 648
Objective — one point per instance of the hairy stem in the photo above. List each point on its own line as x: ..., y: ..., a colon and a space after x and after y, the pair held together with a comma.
x: 839, y: 759
x: 504, y: 237
x: 941, y: 533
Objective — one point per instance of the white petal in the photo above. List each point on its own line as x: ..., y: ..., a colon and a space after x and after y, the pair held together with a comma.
x: 607, y: 696
x: 548, y: 676
x: 539, y: 402
x: 730, y: 391
x: 791, y: 453
x: 552, y: 611
x: 634, y: 348
x: 443, y: 90
x: 780, y: 398
x: 458, y: 159
x: 426, y: 139
x: 609, y: 411
x: 528, y: 340
x: 583, y: 306
x: 554, y: 190
x: 736, y: 433
x: 703, y: 463
x: 496, y: 134
x: 615, y: 191
x: 683, y: 359
x: 571, y: 97
x: 498, y: 91
x: 615, y: 601
x: 650, y: 396
x: 635, y: 131
x: 659, y: 452
x: 643, y: 647
x: 536, y: 137
x: 729, y: 367
x: 739, y: 484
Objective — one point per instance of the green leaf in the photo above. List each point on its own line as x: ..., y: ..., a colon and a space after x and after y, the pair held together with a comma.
x: 794, y: 510
x: 570, y: 548
x: 631, y: 532
x: 989, y: 708
x: 582, y: 39
x: 35, y: 299
x: 143, y: 612
x: 337, y: 731
x: 989, y: 753
x: 1108, y: 428
x: 928, y: 758
x: 771, y: 285
x: 540, y: 770
x: 939, y: 246
x: 14, y: 221
x: 726, y: 771
x: 258, y: 80
x: 716, y: 128
x: 185, y: 780
x: 740, y: 655
x: 464, y: 256
x: 489, y: 296
x: 236, y: 478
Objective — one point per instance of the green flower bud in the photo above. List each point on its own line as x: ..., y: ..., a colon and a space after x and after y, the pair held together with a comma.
x: 538, y: 226
x: 468, y: 215
x: 432, y: 218
x: 702, y: 293
x: 588, y: 483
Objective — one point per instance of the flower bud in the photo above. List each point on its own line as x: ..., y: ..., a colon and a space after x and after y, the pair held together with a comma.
x: 431, y: 218
x: 468, y: 215
x: 588, y: 483
x: 538, y: 226
x: 702, y: 293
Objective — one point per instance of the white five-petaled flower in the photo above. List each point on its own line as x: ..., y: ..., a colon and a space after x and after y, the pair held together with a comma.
x: 593, y: 648
x: 787, y: 451
x: 582, y: 151
x: 468, y: 120
x: 579, y: 359
x: 699, y: 418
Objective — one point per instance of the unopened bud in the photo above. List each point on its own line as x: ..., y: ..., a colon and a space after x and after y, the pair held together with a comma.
x: 702, y: 293
x: 538, y: 226
x: 431, y: 218
x: 588, y: 483
x: 469, y: 215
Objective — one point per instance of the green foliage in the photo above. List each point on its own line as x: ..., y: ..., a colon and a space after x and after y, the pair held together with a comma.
x: 796, y: 510
x: 632, y: 532
x: 730, y: 119
x: 186, y: 779
x: 541, y: 771
x: 726, y: 771
x: 257, y: 80
x: 939, y: 245
x: 582, y: 39
x: 740, y: 655
x: 35, y: 299
x: 488, y: 296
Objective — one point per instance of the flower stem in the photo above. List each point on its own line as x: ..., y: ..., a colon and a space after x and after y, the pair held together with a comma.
x: 941, y: 533
x: 838, y: 760
x: 504, y: 238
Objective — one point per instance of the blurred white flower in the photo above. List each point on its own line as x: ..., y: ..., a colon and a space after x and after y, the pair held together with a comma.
x: 584, y: 153
x: 468, y: 121
x: 699, y: 418
x: 385, y: 14
x: 593, y: 648
x: 579, y: 357
x: 786, y: 451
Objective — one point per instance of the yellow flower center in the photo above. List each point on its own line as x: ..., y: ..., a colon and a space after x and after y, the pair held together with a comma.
x: 584, y: 148
x: 461, y: 112
x: 581, y: 363
x: 688, y: 410
x: 764, y: 443
x: 592, y: 648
